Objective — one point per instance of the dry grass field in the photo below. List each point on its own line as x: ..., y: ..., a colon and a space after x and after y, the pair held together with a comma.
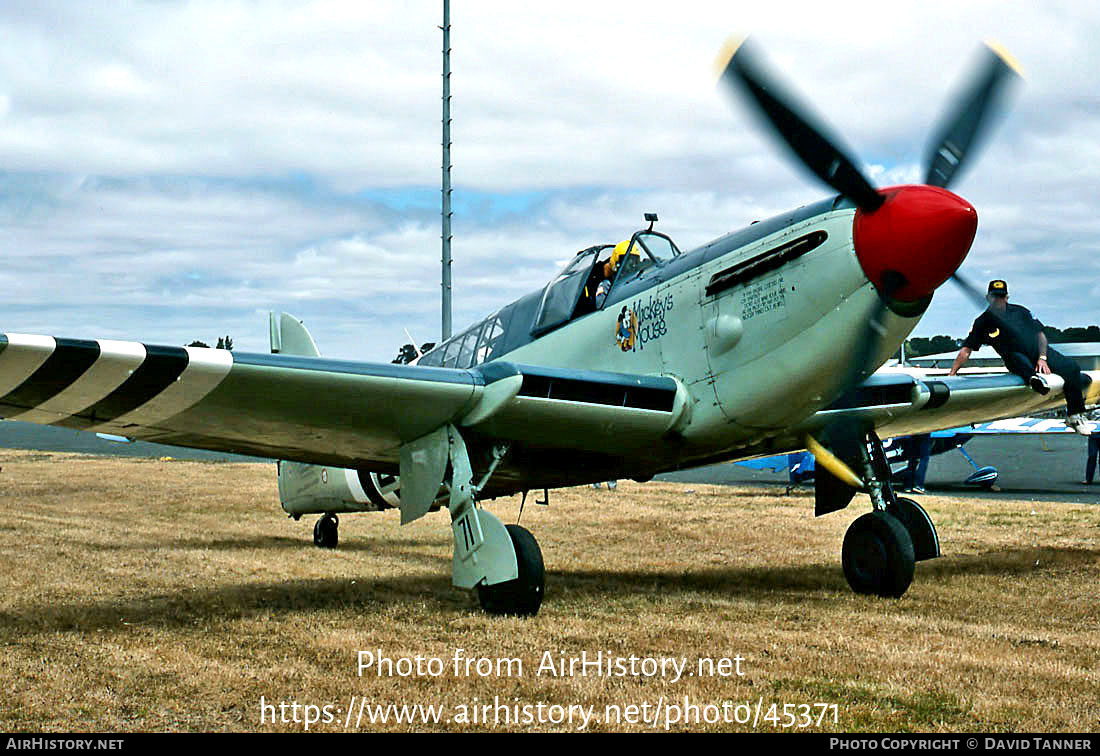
x: 145, y: 595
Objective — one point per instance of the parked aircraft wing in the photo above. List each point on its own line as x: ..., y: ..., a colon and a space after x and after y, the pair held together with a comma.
x: 1010, y: 426
x: 318, y: 410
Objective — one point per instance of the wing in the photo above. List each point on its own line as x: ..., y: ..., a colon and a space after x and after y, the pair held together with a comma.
x: 902, y: 405
x: 778, y: 463
x: 1011, y: 426
x: 335, y: 412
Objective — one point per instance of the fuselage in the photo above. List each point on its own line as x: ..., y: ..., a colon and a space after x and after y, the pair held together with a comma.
x: 757, y: 331
x: 759, y: 326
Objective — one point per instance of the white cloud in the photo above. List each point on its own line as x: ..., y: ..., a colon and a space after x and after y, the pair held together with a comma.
x: 196, y: 163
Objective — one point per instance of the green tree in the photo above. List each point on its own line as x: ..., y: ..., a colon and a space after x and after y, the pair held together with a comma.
x: 224, y: 342
x: 920, y: 346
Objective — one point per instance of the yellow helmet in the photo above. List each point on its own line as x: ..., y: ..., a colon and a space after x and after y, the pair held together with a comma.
x: 620, y: 251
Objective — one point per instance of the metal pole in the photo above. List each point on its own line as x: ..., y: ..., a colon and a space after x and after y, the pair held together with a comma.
x: 446, y: 284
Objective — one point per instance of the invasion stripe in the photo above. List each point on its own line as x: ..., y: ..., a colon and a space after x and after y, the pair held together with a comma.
x: 68, y: 361
x: 117, y: 362
x: 206, y: 368
x: 23, y: 355
x: 351, y: 477
x: 163, y: 365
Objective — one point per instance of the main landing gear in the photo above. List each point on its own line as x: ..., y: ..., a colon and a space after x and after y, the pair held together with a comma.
x: 483, y: 564
x: 881, y: 548
x: 503, y: 563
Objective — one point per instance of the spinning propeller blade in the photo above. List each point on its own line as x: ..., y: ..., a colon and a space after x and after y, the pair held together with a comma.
x: 811, y: 142
x: 966, y: 123
x: 970, y: 290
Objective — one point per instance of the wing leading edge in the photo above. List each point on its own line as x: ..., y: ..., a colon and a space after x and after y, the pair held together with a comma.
x: 318, y: 410
x: 901, y: 404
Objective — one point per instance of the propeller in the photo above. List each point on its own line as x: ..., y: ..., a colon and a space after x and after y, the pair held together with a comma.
x: 973, y: 292
x: 960, y: 133
x: 910, y: 239
x: 806, y: 135
x: 965, y: 125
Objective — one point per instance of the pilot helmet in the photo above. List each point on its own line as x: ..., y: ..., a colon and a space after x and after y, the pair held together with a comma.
x: 620, y: 251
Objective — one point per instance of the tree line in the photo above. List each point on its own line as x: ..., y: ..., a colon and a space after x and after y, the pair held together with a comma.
x: 920, y: 346
x: 224, y: 342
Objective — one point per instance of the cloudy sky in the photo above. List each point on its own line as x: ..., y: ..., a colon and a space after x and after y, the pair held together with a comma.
x: 171, y: 171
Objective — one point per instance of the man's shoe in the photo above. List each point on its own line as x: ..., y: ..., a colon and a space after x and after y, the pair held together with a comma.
x: 1077, y: 422
x: 1039, y: 385
x: 917, y: 489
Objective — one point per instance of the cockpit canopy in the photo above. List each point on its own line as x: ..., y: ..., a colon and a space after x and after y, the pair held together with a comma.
x: 569, y: 295
x: 573, y: 292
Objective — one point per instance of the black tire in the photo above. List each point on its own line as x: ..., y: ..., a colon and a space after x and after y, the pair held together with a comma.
x: 326, y: 533
x: 521, y: 597
x: 878, y: 555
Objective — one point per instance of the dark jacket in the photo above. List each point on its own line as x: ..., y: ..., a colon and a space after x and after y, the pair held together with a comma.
x: 1015, y: 330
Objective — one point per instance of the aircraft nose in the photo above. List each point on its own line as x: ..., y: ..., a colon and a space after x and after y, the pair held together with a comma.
x: 922, y: 232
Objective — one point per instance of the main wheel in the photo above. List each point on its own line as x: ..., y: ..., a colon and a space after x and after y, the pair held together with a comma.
x: 523, y: 596
x: 878, y: 555
x: 326, y: 533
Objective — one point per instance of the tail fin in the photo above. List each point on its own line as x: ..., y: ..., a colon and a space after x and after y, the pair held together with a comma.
x: 289, y: 336
x: 317, y: 489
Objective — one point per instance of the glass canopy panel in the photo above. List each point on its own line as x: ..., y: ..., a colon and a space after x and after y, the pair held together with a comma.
x: 559, y: 299
x: 659, y: 246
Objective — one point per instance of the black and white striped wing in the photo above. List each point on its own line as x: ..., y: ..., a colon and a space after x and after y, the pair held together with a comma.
x: 275, y: 406
x: 316, y: 410
x: 98, y: 385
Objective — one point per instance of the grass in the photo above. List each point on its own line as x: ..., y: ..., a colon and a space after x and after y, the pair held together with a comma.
x: 146, y: 595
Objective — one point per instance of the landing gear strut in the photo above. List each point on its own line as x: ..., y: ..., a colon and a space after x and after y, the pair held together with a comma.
x: 882, y: 547
x: 326, y: 533
x: 503, y: 563
x: 520, y: 595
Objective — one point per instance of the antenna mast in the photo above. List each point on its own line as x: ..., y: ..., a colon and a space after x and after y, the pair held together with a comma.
x: 446, y: 283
